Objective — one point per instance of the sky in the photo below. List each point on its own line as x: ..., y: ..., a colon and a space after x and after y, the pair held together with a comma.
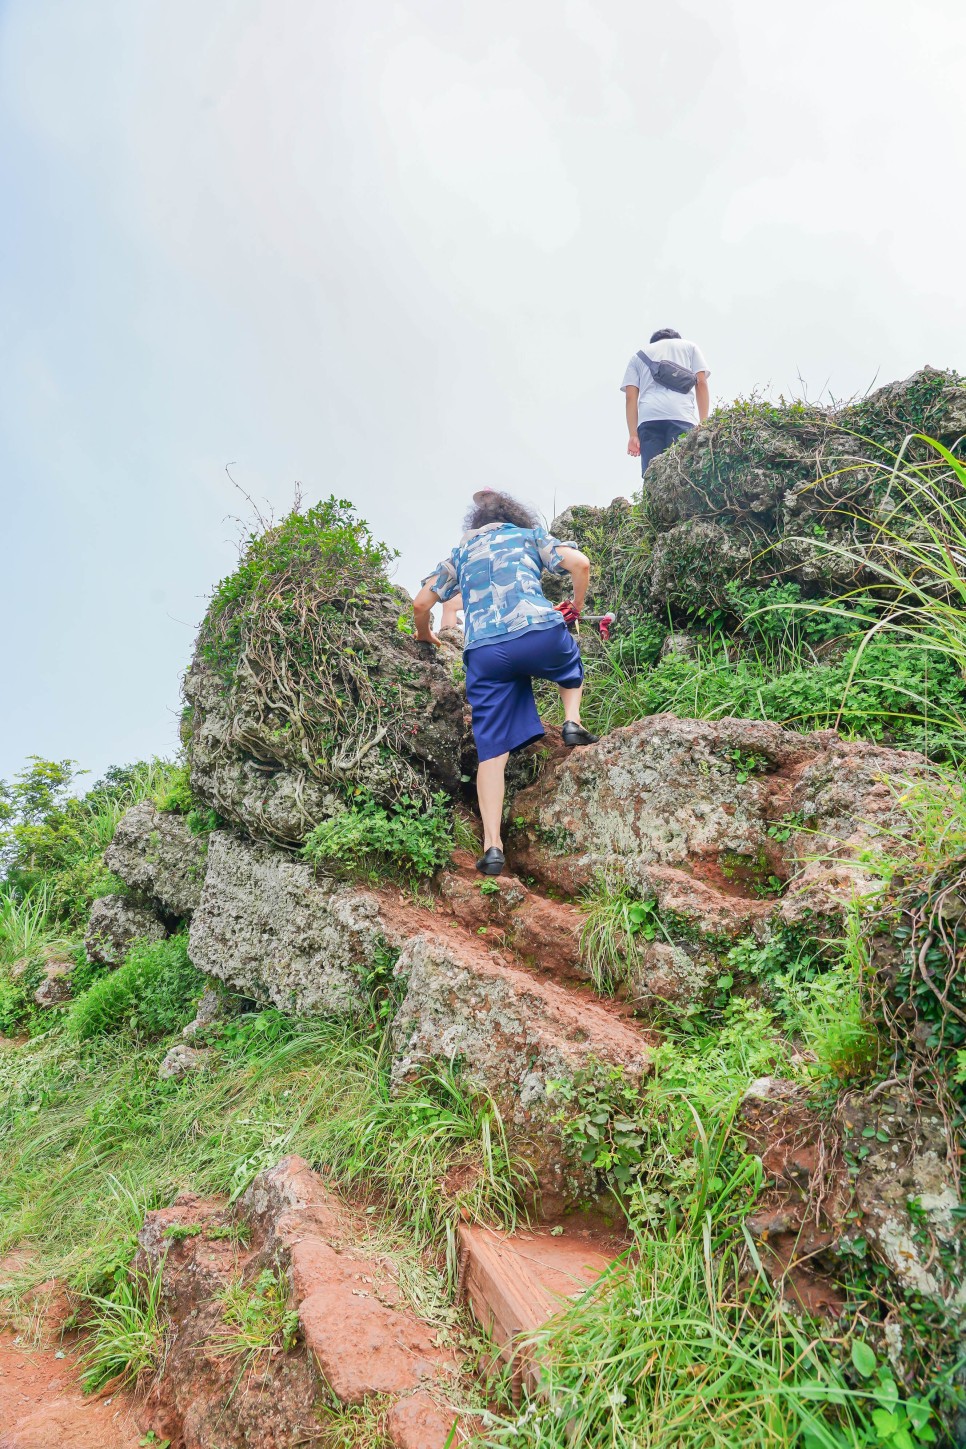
x: 400, y: 251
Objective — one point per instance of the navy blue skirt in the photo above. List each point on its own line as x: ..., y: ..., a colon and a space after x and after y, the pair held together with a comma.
x: 499, y: 685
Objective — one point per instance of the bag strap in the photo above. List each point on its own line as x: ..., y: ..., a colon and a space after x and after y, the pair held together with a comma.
x: 648, y: 361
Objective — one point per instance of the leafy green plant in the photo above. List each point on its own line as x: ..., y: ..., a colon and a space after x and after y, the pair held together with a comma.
x: 616, y: 923
x: 405, y: 839
x: 53, y: 840
x: 126, y: 1330
x: 150, y: 995
x: 257, y: 1321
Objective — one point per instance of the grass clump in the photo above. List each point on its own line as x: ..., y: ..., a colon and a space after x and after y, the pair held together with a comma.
x: 125, y: 1332
x: 404, y: 839
x: 149, y: 996
x: 257, y: 1321
x: 673, y: 1350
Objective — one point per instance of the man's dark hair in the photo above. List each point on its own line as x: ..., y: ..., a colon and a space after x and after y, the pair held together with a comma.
x: 663, y: 333
x: 499, y: 508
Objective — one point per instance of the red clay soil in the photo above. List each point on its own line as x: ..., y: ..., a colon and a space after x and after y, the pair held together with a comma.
x: 42, y: 1407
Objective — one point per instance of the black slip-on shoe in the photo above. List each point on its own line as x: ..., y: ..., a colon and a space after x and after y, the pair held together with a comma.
x: 491, y: 862
x: 575, y: 734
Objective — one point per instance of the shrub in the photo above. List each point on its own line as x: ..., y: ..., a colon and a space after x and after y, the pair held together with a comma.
x: 404, y: 839
x: 150, y: 995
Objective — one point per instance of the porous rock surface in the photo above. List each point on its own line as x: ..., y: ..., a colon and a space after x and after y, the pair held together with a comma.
x: 763, y: 489
x: 514, y: 1034
x: 357, y: 1335
x: 711, y: 818
x: 156, y: 855
x: 274, y: 930
x: 901, y: 1196
x: 115, y: 923
x: 249, y: 764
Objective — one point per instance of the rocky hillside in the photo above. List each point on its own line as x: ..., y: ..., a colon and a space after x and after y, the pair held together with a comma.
x: 656, y: 1138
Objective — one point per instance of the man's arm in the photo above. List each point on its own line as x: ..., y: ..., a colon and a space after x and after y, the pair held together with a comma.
x: 577, y: 565
x: 702, y: 397
x: 630, y: 409
x: 423, y: 605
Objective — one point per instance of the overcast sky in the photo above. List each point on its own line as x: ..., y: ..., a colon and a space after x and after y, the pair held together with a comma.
x: 397, y: 251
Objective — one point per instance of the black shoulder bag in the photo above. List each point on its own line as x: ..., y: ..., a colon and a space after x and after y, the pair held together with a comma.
x: 670, y: 374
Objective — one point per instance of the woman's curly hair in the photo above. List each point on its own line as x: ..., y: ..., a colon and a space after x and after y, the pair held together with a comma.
x: 499, y: 508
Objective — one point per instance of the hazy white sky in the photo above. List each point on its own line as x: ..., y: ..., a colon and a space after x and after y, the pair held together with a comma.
x: 400, y: 250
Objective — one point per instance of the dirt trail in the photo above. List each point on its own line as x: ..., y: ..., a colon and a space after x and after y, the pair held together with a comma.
x: 42, y: 1407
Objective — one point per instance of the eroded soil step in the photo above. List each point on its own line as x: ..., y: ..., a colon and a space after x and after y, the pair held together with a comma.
x: 358, y: 1337
x: 515, y: 1282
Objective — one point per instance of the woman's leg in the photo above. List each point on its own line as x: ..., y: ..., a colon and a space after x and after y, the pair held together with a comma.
x: 570, y: 699
x: 490, y: 789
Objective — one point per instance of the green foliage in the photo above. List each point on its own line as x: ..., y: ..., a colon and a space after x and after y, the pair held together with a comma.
x: 326, y: 542
x: 126, y: 1329
x: 150, y: 996
x: 893, y: 692
x: 54, y: 840
x: 405, y: 839
x: 405, y: 1143
x: 91, y: 1138
x: 674, y: 1349
x: 257, y: 1322
x: 615, y: 924
x: 175, y: 796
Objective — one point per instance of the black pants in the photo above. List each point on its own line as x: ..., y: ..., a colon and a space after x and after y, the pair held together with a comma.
x: 655, y: 437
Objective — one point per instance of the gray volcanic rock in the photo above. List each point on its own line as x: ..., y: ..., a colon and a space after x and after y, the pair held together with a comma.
x: 758, y: 492
x: 156, y: 854
x: 273, y: 930
x: 731, y: 823
x: 115, y: 924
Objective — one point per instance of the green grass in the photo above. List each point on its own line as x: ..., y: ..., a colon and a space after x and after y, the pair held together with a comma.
x: 256, y: 1320
x: 91, y: 1139
x: 125, y: 1333
x: 674, y: 1350
x: 894, y: 691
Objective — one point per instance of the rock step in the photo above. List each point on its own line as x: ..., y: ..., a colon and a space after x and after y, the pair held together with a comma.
x: 514, y: 1034
x: 515, y: 1282
x: 358, y: 1337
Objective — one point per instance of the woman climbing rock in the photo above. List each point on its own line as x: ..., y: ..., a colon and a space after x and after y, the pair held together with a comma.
x: 513, y: 635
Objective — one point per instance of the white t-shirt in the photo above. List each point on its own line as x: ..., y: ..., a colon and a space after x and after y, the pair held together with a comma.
x: 662, y: 404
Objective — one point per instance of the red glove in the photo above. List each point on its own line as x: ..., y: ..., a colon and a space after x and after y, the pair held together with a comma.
x: 570, y: 613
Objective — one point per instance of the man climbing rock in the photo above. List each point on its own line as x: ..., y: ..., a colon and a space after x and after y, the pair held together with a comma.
x: 665, y: 391
x: 513, y: 635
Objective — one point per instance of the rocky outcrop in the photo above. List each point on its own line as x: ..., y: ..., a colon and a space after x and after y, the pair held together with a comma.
x: 762, y: 489
x: 258, y: 767
x: 115, y: 924
x: 731, y: 825
x: 156, y: 855
x: 512, y: 1034
x: 274, y: 930
x: 356, y: 1336
x: 876, y: 1178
